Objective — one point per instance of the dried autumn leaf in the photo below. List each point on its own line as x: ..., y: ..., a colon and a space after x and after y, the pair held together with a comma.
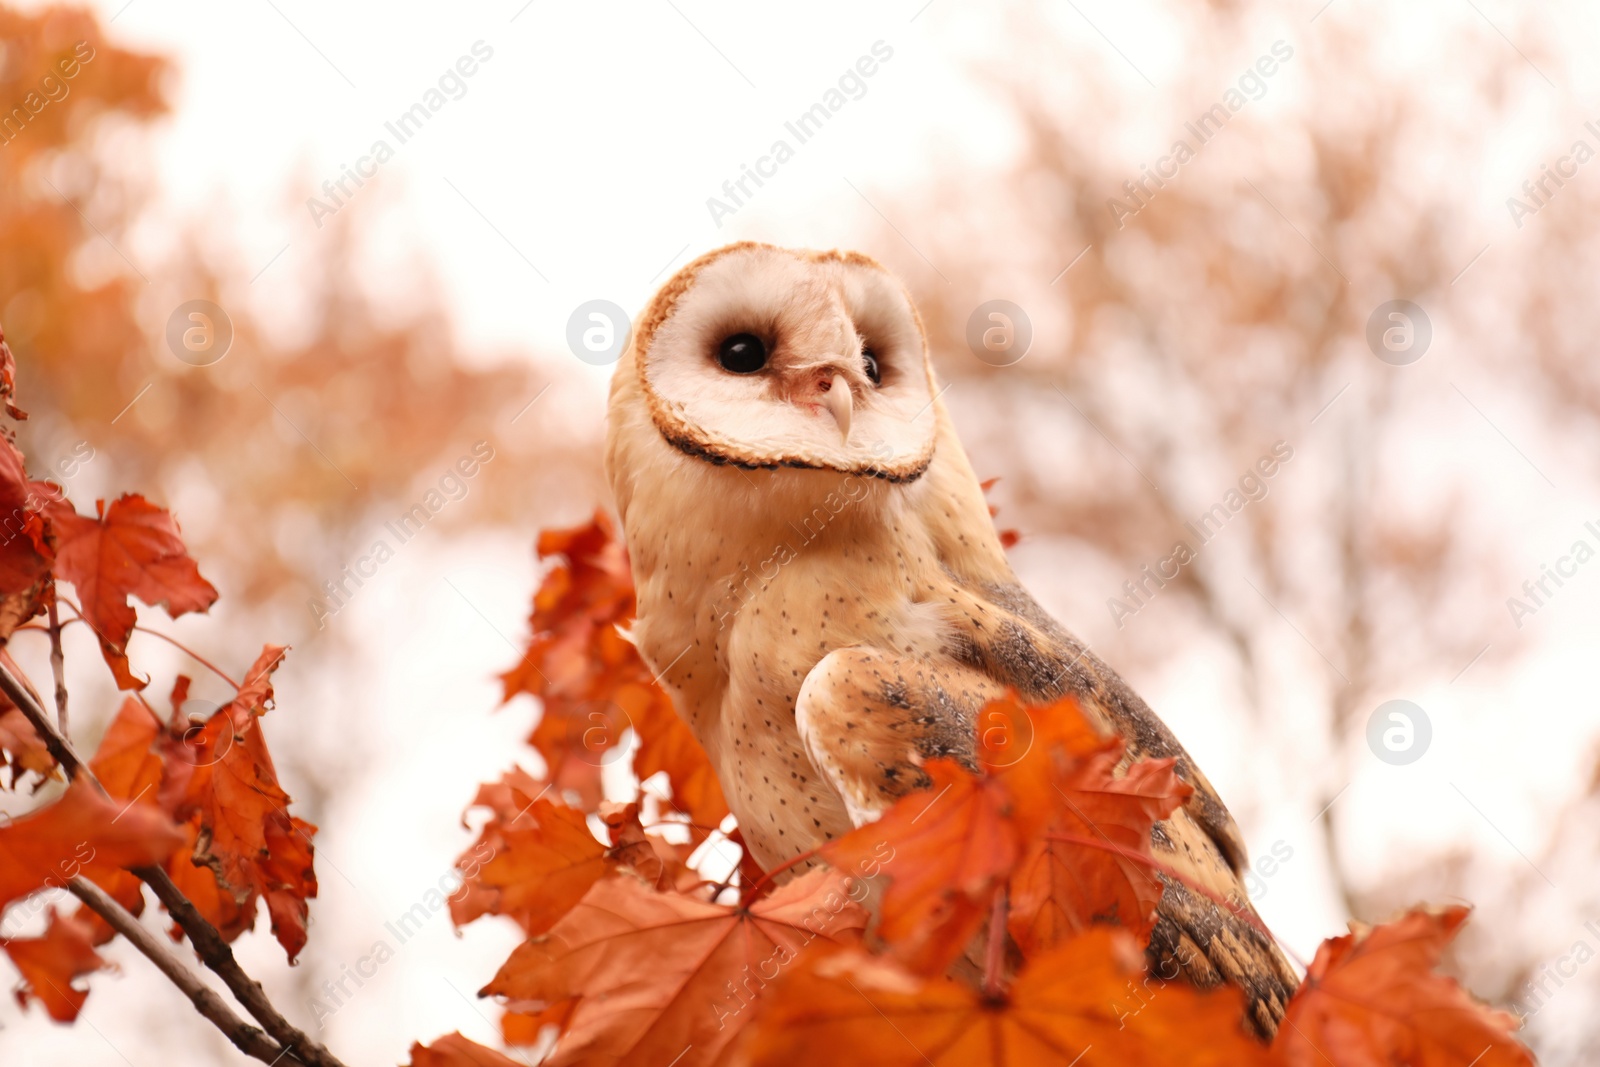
x: 592, y: 684
x: 1372, y: 998
x: 1063, y: 885
x: 50, y: 963
x: 124, y: 762
x: 662, y: 863
x: 219, y: 906
x: 542, y: 860
x: 246, y: 834
x: 453, y: 1050
x: 22, y: 750
x: 665, y: 743
x: 663, y: 977
x: 513, y: 793
x: 132, y: 549
x: 528, y: 1028
x: 575, y: 655
x: 25, y: 554
x: 84, y: 832
x: 847, y: 1007
x: 536, y: 857
x: 951, y: 848
x: 216, y: 779
x: 141, y: 756
x: 8, y: 380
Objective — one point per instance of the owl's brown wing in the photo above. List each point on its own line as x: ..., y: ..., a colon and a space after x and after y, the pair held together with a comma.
x: 869, y: 718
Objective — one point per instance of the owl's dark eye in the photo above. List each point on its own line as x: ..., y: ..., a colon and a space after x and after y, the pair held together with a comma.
x: 871, y: 362
x: 743, y: 353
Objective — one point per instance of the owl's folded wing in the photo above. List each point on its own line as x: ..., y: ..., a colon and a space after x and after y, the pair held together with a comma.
x: 869, y: 720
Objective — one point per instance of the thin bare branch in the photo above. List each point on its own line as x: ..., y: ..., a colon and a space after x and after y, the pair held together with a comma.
x: 208, y: 944
x: 217, y: 954
x: 22, y: 696
x: 174, y: 642
x: 248, y: 1039
x: 58, y: 666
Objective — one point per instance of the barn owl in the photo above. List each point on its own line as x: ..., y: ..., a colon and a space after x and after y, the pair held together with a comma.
x: 814, y: 559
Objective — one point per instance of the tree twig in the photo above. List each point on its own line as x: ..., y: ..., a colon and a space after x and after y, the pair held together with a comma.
x: 248, y: 1039
x: 208, y: 944
x: 217, y: 954
x: 174, y: 642
x: 58, y: 665
x: 54, y: 740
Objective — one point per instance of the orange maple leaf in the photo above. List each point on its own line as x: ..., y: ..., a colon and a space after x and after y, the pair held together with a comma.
x: 664, y: 977
x: 1049, y: 817
x: 592, y: 684
x: 21, y: 748
x: 953, y: 846
x: 246, y: 835
x: 1086, y: 867
x: 542, y: 860
x: 537, y: 857
x: 453, y: 1050
x: 124, y: 762
x: 84, y: 832
x: 218, y: 781
x: 1372, y: 998
x: 8, y: 380
x: 132, y: 549
x: 1069, y: 1005
x: 50, y: 963
x: 528, y: 1028
x: 25, y: 552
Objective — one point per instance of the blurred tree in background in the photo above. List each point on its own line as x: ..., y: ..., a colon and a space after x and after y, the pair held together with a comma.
x: 1222, y: 308
x: 307, y: 428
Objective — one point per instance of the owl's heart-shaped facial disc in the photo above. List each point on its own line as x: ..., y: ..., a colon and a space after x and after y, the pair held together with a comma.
x: 764, y: 357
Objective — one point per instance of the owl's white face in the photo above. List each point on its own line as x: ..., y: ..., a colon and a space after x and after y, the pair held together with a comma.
x: 765, y: 357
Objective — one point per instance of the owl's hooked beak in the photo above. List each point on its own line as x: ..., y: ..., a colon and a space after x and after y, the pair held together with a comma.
x: 837, y: 399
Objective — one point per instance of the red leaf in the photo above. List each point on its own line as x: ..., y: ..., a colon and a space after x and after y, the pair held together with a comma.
x: 8, y: 380
x: 132, y: 549
x: 594, y: 686
x: 124, y: 762
x: 527, y: 1028
x: 532, y: 865
x: 50, y: 963
x: 659, y: 976
x: 22, y: 748
x: 846, y: 1007
x: 218, y: 781
x: 25, y: 554
x: 1372, y: 998
x: 453, y: 1050
x: 246, y: 834
x: 949, y: 849
x: 1063, y: 886
x: 84, y: 832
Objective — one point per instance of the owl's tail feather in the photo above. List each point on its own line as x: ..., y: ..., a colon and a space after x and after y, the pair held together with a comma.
x: 1199, y: 941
